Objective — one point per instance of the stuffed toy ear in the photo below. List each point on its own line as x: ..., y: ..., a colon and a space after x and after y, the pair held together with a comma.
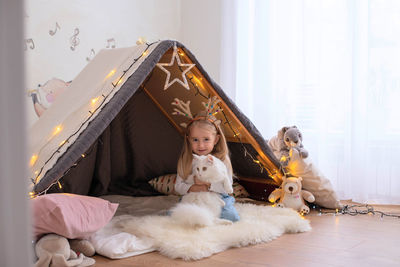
x: 282, y: 132
x: 210, y: 159
x: 82, y: 246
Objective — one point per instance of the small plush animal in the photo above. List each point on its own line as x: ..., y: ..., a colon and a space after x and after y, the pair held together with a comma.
x: 288, y: 138
x: 45, y: 95
x: 55, y: 250
x: 291, y: 195
x: 198, y: 209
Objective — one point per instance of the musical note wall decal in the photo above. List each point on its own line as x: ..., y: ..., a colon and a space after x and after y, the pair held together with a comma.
x: 51, y: 32
x: 91, y: 56
x: 110, y: 43
x: 31, y: 42
x: 74, y: 40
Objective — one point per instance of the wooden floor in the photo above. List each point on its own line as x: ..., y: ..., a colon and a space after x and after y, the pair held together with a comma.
x: 335, y: 240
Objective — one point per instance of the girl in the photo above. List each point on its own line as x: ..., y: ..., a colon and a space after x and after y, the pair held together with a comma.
x: 204, y: 136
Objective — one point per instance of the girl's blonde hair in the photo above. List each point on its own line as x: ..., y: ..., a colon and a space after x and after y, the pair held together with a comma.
x: 220, y: 150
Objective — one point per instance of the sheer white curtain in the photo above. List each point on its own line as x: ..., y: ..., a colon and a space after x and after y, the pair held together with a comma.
x: 332, y: 68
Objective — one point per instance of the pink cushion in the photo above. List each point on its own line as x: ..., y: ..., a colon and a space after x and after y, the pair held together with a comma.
x: 69, y: 215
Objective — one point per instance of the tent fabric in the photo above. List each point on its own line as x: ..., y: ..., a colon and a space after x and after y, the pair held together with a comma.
x: 72, y: 108
x: 119, y: 147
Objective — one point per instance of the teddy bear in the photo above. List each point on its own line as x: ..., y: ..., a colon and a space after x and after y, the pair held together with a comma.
x: 287, y: 138
x: 291, y: 195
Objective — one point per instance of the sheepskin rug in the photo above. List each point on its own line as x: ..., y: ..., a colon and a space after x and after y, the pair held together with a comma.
x: 257, y: 224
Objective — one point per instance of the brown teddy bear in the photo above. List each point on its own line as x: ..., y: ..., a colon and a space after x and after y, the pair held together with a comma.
x: 291, y: 195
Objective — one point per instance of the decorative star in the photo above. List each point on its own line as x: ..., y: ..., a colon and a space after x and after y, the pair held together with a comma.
x: 175, y: 64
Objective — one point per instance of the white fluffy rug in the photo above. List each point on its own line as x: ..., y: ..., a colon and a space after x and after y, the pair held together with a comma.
x: 257, y: 224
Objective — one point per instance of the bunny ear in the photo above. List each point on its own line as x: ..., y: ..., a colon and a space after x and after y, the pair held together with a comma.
x: 282, y: 131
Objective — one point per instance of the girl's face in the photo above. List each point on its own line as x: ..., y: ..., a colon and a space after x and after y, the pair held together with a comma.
x: 202, y: 140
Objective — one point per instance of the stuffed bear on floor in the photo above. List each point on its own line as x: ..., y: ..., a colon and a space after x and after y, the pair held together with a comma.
x: 287, y: 138
x: 291, y: 195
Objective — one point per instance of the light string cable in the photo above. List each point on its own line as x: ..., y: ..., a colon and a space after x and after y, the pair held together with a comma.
x: 354, y: 210
x: 92, y: 113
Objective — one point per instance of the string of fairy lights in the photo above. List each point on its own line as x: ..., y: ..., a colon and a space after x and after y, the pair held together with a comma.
x: 354, y: 210
x: 58, y: 128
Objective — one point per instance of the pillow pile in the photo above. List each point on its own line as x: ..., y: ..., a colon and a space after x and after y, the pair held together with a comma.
x: 69, y: 215
x: 165, y: 184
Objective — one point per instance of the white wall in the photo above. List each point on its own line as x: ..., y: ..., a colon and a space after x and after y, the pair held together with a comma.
x: 196, y: 24
x: 201, y: 33
x: 97, y: 20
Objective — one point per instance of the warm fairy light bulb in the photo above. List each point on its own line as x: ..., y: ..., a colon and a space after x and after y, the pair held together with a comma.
x: 145, y: 53
x: 110, y: 74
x: 59, y: 184
x: 94, y: 100
x: 141, y: 40
x: 198, y: 81
x: 63, y: 142
x: 33, y: 160
x: 57, y: 129
x: 83, y: 155
x: 257, y: 161
x: 119, y: 81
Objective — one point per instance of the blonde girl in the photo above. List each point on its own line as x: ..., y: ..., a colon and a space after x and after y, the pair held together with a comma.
x: 204, y: 136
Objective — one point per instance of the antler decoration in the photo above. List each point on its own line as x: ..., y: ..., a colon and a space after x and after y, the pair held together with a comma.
x: 211, y: 108
x: 211, y: 105
x: 184, y: 109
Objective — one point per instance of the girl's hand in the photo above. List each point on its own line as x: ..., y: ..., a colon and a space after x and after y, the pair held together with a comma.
x: 198, y: 188
x: 200, y: 182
